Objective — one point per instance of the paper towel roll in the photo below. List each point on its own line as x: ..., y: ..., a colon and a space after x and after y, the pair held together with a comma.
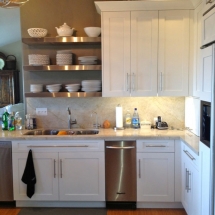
x: 119, y: 117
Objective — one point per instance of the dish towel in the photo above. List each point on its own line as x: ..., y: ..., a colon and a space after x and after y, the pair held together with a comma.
x: 29, y: 176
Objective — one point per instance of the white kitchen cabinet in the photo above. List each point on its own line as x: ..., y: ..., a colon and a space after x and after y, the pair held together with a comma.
x: 208, y: 28
x: 65, y: 170
x: 141, y: 51
x: 116, y: 54
x: 81, y: 177
x: 206, y: 70
x: 46, y: 187
x: 155, y: 171
x: 204, y: 152
x: 144, y: 47
x: 197, y: 74
x: 173, y: 54
x: 190, y: 181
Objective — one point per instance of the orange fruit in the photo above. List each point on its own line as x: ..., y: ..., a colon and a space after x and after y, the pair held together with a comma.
x: 62, y: 133
x: 106, y: 124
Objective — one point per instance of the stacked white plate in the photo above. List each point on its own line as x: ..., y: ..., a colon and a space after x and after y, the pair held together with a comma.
x: 53, y: 88
x: 38, y: 59
x: 88, y: 60
x: 91, y: 85
x: 36, y: 88
x: 72, y: 87
x: 64, y: 57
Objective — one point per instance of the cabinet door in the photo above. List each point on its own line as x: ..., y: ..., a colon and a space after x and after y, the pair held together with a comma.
x: 116, y: 54
x: 144, y: 47
x: 206, y: 70
x: 208, y: 27
x: 9, y: 90
x: 197, y: 75
x: 155, y: 179
x: 173, y: 53
x: 82, y: 176
x: 185, y: 194
x: 46, y: 170
x: 205, y: 177
x: 190, y: 183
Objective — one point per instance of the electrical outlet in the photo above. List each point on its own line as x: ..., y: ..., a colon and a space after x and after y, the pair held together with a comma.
x: 41, y: 111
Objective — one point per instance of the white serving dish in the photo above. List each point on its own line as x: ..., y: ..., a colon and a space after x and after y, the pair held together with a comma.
x: 37, y: 32
x: 92, y: 31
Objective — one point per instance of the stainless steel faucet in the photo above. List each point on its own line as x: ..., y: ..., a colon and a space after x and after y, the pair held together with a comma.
x: 70, y: 122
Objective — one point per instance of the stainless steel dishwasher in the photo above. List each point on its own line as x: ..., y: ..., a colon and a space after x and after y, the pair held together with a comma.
x: 120, y: 174
x: 6, y: 175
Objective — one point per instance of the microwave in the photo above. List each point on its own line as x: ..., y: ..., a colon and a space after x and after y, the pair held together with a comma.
x: 205, y: 122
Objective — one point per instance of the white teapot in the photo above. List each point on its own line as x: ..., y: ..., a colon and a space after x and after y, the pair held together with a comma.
x: 65, y: 30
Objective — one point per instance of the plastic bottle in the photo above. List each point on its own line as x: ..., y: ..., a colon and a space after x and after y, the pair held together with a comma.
x: 18, y: 121
x: 128, y: 119
x: 4, y: 120
x: 135, y: 119
x: 11, y: 122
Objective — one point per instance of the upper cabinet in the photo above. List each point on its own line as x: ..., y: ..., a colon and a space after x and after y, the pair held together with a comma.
x: 145, y: 53
x: 173, y: 54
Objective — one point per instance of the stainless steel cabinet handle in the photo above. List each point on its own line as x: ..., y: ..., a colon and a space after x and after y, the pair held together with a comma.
x: 161, y: 82
x: 127, y: 82
x: 38, y: 146
x: 118, y: 147
x: 54, y: 168
x: 156, y: 146
x: 61, y: 172
x: 139, y: 168
x: 186, y: 181
x: 189, y: 179
x: 133, y: 82
x: 189, y: 155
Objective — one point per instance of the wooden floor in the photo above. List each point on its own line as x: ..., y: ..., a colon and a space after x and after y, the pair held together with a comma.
x: 15, y: 211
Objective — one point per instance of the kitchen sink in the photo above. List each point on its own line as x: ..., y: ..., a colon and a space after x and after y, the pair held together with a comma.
x: 62, y: 132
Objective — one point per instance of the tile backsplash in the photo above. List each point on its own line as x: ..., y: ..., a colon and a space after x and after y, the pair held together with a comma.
x: 171, y: 109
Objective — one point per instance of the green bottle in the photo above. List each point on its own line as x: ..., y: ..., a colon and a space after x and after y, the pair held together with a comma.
x: 11, y: 122
x: 5, y: 120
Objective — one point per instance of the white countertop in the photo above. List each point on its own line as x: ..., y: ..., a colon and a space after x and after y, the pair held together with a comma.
x: 110, y: 134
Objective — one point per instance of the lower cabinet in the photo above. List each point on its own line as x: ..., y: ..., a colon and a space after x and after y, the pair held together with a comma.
x: 155, y: 171
x: 190, y: 181
x: 204, y: 152
x: 69, y: 173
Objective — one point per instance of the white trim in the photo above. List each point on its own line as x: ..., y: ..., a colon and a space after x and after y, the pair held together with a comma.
x: 142, y: 5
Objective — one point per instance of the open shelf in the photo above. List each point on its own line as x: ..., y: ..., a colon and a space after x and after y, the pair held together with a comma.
x: 61, y: 40
x: 62, y: 68
x: 65, y: 94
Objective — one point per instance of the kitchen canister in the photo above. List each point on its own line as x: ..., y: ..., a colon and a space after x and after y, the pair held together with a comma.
x: 119, y: 116
x: 10, y: 62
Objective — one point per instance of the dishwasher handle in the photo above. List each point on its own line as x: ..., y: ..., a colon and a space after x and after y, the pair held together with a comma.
x: 118, y: 147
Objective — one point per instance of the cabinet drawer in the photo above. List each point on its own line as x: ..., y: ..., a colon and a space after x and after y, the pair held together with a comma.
x: 190, y: 155
x: 60, y: 146
x: 155, y: 146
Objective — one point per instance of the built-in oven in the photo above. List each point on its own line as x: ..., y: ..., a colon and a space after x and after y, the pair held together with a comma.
x: 205, y: 122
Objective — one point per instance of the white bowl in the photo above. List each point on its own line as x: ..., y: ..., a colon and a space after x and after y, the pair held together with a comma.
x: 53, y: 85
x: 37, y: 32
x: 53, y: 91
x: 92, y: 31
x: 72, y: 85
